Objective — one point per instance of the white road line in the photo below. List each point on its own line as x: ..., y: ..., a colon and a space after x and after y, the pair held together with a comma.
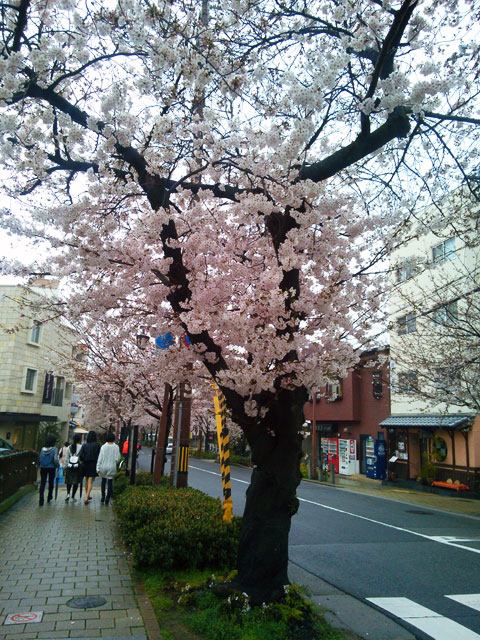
x: 468, y: 599
x: 439, y: 539
x: 433, y: 624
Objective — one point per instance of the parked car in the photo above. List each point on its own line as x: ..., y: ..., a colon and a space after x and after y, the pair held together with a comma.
x: 5, y: 447
x: 169, y: 446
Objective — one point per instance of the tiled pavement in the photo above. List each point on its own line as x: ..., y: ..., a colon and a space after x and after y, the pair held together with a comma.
x: 51, y: 554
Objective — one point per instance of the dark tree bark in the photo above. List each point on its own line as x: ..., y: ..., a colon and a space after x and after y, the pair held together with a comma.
x: 271, y: 499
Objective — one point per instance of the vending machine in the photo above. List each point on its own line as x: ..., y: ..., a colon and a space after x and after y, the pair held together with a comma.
x: 332, y: 453
x: 347, y: 452
x: 376, y: 458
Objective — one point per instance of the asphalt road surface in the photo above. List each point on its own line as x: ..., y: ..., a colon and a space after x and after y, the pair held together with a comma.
x: 419, y: 564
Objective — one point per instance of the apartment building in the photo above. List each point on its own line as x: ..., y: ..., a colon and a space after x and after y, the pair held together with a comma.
x: 434, y: 427
x: 351, y: 408
x: 33, y: 389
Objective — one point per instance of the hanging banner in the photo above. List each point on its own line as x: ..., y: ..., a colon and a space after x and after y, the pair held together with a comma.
x: 48, y: 388
x: 224, y: 447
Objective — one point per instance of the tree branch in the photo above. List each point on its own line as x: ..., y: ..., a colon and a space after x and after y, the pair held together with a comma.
x: 396, y: 126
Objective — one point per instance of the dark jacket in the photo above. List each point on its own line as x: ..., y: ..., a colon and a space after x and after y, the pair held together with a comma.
x: 90, y: 452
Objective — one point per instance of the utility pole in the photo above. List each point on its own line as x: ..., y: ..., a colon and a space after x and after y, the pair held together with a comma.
x: 162, y: 437
x: 313, y: 461
x: 181, y: 437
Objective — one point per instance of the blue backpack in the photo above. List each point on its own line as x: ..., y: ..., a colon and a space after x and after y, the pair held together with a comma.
x: 47, y: 458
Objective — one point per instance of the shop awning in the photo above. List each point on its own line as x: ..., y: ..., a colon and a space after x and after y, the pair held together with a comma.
x: 80, y: 430
x: 430, y: 421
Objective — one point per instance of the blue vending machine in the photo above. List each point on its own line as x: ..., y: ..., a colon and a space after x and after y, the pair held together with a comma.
x: 376, y: 458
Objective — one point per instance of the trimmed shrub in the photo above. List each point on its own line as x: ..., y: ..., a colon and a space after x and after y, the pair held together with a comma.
x: 142, y: 478
x: 181, y: 528
x: 243, y: 460
x: 145, y: 479
x: 208, y: 455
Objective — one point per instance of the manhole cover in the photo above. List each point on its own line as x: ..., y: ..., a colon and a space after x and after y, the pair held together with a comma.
x: 86, y: 603
x: 421, y: 513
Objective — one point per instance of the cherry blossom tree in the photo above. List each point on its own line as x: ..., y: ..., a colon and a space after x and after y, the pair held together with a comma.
x: 233, y: 171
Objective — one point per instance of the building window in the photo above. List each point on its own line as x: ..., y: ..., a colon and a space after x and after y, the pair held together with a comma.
x: 35, y: 332
x: 407, y: 382
x: 447, y: 379
x: 334, y: 390
x: 405, y: 272
x: 29, y: 380
x: 377, y: 385
x: 444, y: 251
x: 407, y: 324
x: 57, y: 396
x: 446, y: 314
x: 439, y: 449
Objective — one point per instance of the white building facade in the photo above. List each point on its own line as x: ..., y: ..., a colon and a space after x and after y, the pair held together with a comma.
x: 33, y: 391
x: 434, y: 427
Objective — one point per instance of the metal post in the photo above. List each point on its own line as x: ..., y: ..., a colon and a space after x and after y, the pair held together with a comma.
x: 313, y: 460
x: 177, y: 437
x: 133, y: 446
x: 152, y: 462
x: 332, y: 472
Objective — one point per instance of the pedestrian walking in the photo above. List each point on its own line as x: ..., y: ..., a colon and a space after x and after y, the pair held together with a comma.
x: 62, y: 456
x: 73, y: 469
x: 125, y: 453
x: 107, y: 466
x: 48, y: 465
x: 89, y: 456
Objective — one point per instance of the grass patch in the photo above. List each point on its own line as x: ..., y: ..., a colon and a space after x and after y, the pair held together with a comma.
x: 187, y: 609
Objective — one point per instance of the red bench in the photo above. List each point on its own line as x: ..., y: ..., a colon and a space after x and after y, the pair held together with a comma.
x: 450, y: 485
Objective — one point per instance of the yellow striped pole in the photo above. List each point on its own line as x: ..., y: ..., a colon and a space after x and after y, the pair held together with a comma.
x: 220, y: 405
x: 182, y: 460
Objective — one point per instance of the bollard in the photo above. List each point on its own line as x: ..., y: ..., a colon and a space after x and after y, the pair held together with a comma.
x: 332, y: 473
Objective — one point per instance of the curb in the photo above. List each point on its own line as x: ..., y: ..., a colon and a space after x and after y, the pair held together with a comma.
x: 152, y: 628
x: 146, y: 609
x: 15, y: 497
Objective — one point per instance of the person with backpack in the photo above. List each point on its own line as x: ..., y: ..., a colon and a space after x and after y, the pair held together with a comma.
x: 49, y: 463
x: 73, y: 470
x: 107, y: 466
x: 89, y: 456
x: 62, y: 456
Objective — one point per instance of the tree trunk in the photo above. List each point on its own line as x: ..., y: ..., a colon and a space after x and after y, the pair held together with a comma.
x: 276, y: 445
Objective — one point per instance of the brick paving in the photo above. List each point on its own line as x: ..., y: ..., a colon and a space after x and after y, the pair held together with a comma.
x: 61, y: 551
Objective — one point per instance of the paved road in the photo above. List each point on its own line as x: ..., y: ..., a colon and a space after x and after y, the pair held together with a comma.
x: 420, y: 564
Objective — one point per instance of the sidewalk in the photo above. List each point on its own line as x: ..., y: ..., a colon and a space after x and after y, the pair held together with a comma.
x: 444, y: 501
x: 59, y: 552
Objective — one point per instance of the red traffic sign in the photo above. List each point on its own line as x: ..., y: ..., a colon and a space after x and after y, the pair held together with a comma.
x: 24, y: 617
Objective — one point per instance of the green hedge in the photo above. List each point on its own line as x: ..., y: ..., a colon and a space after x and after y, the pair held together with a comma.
x: 181, y: 528
x: 208, y: 455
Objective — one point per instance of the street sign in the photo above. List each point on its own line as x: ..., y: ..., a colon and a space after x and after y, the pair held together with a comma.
x: 24, y: 618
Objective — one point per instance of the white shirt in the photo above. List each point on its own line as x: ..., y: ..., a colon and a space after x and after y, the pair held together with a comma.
x: 107, y: 460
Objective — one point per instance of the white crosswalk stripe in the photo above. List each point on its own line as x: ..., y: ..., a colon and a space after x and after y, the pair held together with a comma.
x: 433, y: 624
x: 468, y: 599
